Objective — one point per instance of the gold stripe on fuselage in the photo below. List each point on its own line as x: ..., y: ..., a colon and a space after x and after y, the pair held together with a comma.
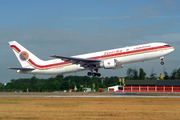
x: 114, y: 56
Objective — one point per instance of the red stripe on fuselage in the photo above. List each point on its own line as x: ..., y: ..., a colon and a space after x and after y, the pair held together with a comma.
x: 129, y: 52
x: 48, y: 65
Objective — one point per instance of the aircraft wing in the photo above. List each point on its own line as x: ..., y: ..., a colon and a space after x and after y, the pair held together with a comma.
x: 24, y: 69
x: 75, y: 60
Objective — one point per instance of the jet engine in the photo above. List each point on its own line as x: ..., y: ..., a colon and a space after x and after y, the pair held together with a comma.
x: 108, y: 64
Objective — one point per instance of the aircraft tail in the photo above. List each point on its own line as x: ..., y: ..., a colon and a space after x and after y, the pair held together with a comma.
x: 25, y: 57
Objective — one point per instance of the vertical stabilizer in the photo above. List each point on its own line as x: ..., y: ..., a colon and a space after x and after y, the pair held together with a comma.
x: 23, y: 55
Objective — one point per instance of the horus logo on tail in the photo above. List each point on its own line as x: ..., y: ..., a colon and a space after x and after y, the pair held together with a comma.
x: 23, y: 55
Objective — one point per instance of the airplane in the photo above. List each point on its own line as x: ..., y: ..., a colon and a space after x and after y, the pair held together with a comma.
x: 108, y: 59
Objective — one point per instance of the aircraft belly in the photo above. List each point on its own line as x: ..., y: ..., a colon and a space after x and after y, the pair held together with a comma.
x: 55, y: 71
x: 154, y: 55
x: 143, y: 57
x: 45, y: 72
x: 133, y: 58
x: 73, y: 68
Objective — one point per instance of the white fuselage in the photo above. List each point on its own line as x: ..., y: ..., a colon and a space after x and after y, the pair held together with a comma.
x: 121, y: 56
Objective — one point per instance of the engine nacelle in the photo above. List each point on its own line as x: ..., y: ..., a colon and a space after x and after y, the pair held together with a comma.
x: 108, y: 64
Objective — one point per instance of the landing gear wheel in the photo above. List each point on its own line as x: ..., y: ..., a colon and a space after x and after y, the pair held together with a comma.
x: 98, y: 74
x: 94, y: 74
x: 89, y: 73
x: 162, y: 60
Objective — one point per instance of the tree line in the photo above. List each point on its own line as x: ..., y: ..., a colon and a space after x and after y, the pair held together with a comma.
x: 60, y: 83
x: 133, y: 74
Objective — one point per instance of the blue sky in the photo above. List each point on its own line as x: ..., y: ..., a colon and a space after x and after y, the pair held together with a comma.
x: 69, y: 27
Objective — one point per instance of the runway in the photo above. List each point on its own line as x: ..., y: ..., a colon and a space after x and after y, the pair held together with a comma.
x: 113, y: 95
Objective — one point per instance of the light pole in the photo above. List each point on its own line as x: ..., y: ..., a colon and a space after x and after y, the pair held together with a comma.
x: 69, y: 81
x: 102, y: 80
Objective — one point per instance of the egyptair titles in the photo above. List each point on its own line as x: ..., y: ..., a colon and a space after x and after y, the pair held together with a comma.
x: 127, y: 49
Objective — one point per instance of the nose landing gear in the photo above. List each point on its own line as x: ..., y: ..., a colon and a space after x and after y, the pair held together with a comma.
x: 162, y: 62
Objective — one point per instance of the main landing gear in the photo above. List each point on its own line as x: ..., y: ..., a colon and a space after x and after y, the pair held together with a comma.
x: 94, y: 73
x: 162, y: 62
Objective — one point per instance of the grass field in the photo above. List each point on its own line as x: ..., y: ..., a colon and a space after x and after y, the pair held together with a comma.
x: 89, y: 108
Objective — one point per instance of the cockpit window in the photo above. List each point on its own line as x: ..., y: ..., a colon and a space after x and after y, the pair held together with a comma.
x: 166, y: 45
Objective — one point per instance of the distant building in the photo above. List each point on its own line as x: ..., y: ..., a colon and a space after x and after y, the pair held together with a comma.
x: 113, y: 88
x: 87, y: 89
x: 152, y: 86
x: 147, y: 86
x: 152, y: 82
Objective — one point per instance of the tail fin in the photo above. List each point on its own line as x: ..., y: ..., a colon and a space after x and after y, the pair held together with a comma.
x: 23, y: 55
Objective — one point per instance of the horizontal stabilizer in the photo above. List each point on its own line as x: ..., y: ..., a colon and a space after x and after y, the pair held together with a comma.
x: 24, y: 69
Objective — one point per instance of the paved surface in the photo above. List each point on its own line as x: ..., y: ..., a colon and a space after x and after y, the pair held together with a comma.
x: 115, y: 95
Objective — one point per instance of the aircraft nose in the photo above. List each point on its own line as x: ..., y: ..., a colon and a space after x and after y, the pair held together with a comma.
x: 172, y: 49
